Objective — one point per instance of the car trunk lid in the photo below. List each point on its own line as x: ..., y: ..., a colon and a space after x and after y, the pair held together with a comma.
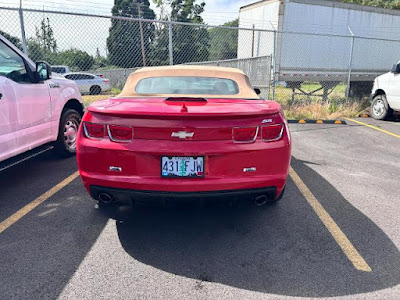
x: 183, y: 119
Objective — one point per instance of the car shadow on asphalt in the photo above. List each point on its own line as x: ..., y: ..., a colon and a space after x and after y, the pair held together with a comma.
x: 281, y: 249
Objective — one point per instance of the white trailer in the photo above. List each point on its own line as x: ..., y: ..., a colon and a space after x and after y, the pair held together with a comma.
x: 321, y: 41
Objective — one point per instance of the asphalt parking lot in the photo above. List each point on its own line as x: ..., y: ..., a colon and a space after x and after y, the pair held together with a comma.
x: 335, y: 233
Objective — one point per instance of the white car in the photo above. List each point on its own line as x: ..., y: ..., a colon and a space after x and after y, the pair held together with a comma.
x: 386, y: 94
x: 89, y: 83
x: 35, y: 108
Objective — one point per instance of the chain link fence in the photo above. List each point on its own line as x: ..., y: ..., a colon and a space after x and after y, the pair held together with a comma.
x: 296, y: 69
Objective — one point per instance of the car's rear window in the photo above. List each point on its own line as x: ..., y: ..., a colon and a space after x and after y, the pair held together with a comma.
x: 58, y: 70
x: 187, y: 85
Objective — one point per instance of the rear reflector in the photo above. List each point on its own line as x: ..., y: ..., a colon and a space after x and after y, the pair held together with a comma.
x: 244, y: 134
x: 93, y: 131
x: 272, y: 132
x: 120, y: 133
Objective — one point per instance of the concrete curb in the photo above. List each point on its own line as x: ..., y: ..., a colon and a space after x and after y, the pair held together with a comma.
x: 306, y: 121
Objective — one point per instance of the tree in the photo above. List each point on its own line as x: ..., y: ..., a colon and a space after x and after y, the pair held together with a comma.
x: 190, y: 43
x: 43, y: 46
x: 392, y: 4
x: 99, y: 61
x: 16, y: 41
x: 78, y: 60
x: 45, y: 36
x: 223, y: 42
x: 124, y: 41
x: 37, y: 52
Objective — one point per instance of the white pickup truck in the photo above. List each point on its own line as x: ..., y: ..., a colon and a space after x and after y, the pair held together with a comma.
x: 35, y: 108
x: 386, y: 94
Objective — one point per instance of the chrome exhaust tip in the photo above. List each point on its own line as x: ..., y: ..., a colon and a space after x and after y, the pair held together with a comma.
x: 106, y: 198
x: 261, y: 200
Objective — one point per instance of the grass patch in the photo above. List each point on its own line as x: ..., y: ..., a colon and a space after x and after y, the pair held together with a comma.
x: 326, y: 111
x: 89, y: 99
x: 313, y: 107
x: 283, y: 94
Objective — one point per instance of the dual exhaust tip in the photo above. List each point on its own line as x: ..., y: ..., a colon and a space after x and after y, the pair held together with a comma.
x: 107, y: 199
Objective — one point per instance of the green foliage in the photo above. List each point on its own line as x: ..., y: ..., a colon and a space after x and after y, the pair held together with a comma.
x: 44, y: 47
x: 124, y: 42
x: 392, y: 4
x: 223, y: 42
x: 45, y: 36
x: 75, y: 59
x: 37, y: 52
x: 190, y: 43
x: 16, y: 41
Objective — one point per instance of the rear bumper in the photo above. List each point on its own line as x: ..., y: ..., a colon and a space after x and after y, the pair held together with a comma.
x: 139, y: 164
x: 141, y: 196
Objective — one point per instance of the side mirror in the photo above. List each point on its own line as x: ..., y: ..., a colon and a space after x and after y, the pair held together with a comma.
x: 258, y: 91
x: 43, y: 71
x: 396, y: 68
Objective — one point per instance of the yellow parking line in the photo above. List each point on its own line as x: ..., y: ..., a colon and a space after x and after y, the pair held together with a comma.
x: 32, y: 205
x: 373, y: 127
x: 349, y: 250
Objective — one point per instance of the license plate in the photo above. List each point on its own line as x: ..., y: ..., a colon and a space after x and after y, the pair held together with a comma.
x: 182, y: 166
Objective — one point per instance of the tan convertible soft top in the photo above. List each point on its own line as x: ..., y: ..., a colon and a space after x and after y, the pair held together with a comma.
x: 246, y: 91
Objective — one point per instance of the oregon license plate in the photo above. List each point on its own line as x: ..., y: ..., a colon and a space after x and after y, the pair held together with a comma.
x: 182, y: 166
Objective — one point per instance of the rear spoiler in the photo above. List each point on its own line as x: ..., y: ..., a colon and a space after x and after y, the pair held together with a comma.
x: 185, y: 99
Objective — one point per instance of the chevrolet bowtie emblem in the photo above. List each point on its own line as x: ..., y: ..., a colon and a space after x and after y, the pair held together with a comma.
x: 182, y: 134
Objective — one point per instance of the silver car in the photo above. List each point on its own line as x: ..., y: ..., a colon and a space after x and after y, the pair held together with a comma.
x: 89, y: 83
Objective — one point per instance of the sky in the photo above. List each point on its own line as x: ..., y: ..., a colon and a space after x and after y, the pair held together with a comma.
x: 216, y: 11
x: 87, y: 33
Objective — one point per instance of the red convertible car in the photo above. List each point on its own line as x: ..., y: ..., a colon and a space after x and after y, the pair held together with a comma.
x: 186, y: 132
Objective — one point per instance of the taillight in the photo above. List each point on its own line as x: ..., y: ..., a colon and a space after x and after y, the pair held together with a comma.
x: 120, y: 133
x: 244, y: 134
x: 272, y: 132
x: 106, y: 81
x: 93, y: 130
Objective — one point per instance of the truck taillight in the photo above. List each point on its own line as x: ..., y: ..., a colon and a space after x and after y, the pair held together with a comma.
x: 244, y: 134
x: 106, y: 81
x: 272, y: 132
x: 93, y: 130
x: 120, y: 133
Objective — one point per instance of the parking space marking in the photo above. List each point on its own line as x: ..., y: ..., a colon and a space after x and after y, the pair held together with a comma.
x: 376, y: 128
x: 349, y: 250
x: 39, y: 200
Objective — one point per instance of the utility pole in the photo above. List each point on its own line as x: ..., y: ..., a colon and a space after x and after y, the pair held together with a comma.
x: 139, y: 5
x: 252, y: 42
x: 21, y: 20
